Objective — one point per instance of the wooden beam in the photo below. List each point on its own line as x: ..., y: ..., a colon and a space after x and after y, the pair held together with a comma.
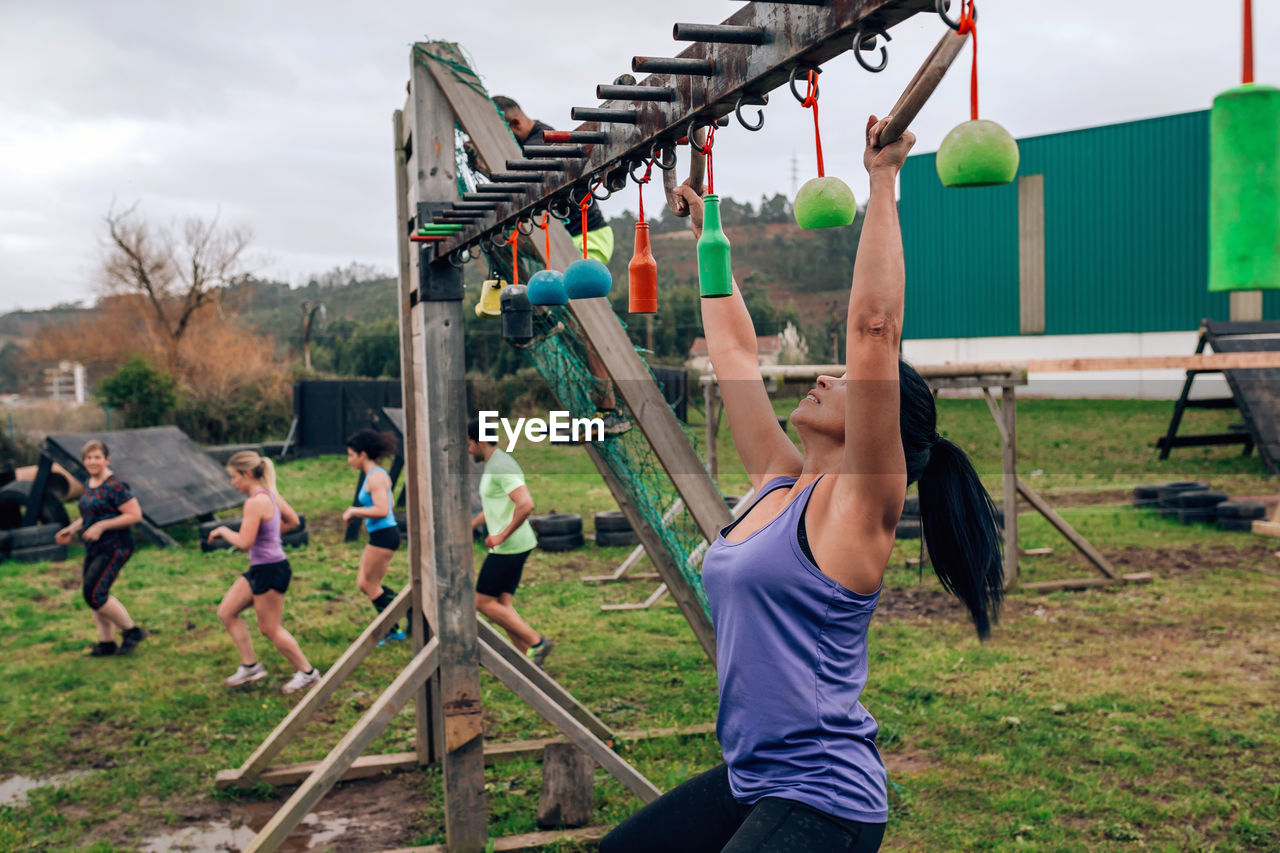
x: 372, y: 724
x: 1082, y: 544
x: 1084, y: 583
x: 574, y: 730
x: 526, y: 841
x: 412, y: 375
x: 296, y: 720
x: 365, y: 766
x: 493, y: 638
x: 1262, y: 527
x: 446, y: 504
x: 1210, y: 362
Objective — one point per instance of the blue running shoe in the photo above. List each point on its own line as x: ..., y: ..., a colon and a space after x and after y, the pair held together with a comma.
x: 395, y: 636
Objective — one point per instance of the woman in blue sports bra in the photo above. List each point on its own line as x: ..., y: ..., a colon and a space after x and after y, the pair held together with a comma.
x: 794, y: 582
x: 376, y: 506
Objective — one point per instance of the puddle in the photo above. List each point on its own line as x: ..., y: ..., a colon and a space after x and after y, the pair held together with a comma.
x: 14, y: 789
x: 315, y: 831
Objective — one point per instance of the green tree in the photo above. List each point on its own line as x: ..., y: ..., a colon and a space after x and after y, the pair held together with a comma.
x: 145, y: 393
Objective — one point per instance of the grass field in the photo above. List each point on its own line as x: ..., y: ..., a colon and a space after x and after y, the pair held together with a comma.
x: 1141, y: 717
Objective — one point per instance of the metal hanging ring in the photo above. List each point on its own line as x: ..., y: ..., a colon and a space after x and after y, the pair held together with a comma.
x: 453, y: 258
x: 795, y: 72
x: 636, y: 164
x: 500, y: 242
x: 559, y: 207
x: 694, y: 125
x: 858, y: 50
x: 598, y: 184
x: 942, y: 6
x: 574, y: 201
x: 755, y: 101
x: 656, y: 153
x: 529, y: 222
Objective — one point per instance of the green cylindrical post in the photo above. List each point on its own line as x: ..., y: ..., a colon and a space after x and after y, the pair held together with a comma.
x: 1244, y: 189
x: 715, y: 273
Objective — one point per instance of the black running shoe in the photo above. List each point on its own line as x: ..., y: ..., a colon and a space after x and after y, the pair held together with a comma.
x: 102, y: 650
x: 132, y: 637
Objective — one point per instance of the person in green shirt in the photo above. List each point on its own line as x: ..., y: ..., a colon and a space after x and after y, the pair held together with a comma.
x: 505, y: 509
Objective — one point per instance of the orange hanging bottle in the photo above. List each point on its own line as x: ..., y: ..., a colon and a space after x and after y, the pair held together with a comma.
x: 642, y: 275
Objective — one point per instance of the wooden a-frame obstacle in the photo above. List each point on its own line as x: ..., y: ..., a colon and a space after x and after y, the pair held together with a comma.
x: 450, y: 643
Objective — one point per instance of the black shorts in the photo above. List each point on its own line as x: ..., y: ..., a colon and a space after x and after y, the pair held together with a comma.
x: 386, y: 537
x: 268, y: 576
x: 501, y: 573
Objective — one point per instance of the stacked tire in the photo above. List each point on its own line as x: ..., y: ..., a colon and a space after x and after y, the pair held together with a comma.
x: 1192, y: 501
x: 614, y: 530
x: 1239, y: 515
x: 558, y: 531
x: 36, y: 543
x: 296, y: 538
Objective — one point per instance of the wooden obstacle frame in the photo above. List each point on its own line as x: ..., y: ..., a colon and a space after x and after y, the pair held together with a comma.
x: 450, y: 642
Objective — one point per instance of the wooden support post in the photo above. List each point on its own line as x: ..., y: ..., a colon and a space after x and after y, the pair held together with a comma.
x: 297, y: 719
x: 35, y: 497
x: 1006, y: 423
x: 711, y: 400
x: 412, y: 376
x: 572, y: 729
x: 372, y: 724
x: 1082, y: 544
x: 445, y: 505
x: 568, y: 787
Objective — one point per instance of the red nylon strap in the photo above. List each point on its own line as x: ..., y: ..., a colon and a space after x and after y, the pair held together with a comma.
x: 811, y: 100
x: 1247, y: 73
x: 969, y: 25
x: 546, y: 217
x: 514, y: 239
x: 583, y: 205
x: 706, y: 149
x: 647, y: 172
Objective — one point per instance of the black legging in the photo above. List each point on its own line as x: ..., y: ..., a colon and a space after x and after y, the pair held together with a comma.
x: 701, y: 816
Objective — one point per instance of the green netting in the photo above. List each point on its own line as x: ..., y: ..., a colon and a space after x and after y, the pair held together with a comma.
x: 560, y: 357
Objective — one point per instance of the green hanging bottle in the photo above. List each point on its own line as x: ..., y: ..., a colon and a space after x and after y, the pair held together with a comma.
x: 715, y: 274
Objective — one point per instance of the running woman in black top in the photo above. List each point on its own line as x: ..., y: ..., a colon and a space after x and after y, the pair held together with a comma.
x: 107, y: 510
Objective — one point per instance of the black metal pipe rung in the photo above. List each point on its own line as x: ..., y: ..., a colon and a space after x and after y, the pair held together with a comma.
x: 635, y: 93
x: 460, y: 214
x: 673, y: 65
x: 518, y: 177
x: 536, y: 165
x: 587, y: 137
x: 504, y: 189
x: 603, y: 114
x: 719, y: 33
x: 489, y: 204
x: 485, y: 197
x: 555, y: 151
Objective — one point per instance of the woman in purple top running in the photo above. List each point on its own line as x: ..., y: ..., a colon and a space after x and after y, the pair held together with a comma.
x: 793, y: 583
x: 266, y: 516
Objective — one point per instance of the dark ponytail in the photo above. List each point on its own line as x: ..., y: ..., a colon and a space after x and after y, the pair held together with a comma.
x: 958, y: 517
x: 958, y: 520
x: 376, y: 445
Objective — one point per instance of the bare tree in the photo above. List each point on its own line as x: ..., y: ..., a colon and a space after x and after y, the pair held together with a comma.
x: 177, y: 272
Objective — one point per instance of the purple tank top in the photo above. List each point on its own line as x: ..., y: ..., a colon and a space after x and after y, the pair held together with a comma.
x: 266, y: 547
x: 792, y: 660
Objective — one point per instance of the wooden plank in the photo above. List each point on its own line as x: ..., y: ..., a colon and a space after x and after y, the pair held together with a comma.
x: 494, y: 753
x: 494, y: 639
x: 327, y: 774
x: 446, y: 503
x: 526, y: 841
x: 1208, y: 362
x: 418, y: 538
x: 1266, y: 528
x: 1082, y: 544
x: 1085, y: 583
x: 574, y: 730
x: 296, y: 720
x: 1009, y: 476
x: 654, y: 598
x: 1031, y: 254
x: 568, y: 787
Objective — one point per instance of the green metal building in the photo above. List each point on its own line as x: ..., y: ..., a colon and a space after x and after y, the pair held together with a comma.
x: 1104, y: 231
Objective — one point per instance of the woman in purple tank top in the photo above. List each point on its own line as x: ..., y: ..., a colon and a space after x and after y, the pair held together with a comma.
x: 794, y: 582
x: 266, y: 516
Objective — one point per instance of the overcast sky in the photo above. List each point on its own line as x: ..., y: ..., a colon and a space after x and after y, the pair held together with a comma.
x: 278, y: 114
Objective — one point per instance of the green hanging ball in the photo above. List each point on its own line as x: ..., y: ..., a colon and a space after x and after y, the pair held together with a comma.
x: 825, y: 203
x: 978, y: 153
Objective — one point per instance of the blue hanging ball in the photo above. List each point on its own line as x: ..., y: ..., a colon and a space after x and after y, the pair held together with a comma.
x: 546, y: 287
x: 587, y: 279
